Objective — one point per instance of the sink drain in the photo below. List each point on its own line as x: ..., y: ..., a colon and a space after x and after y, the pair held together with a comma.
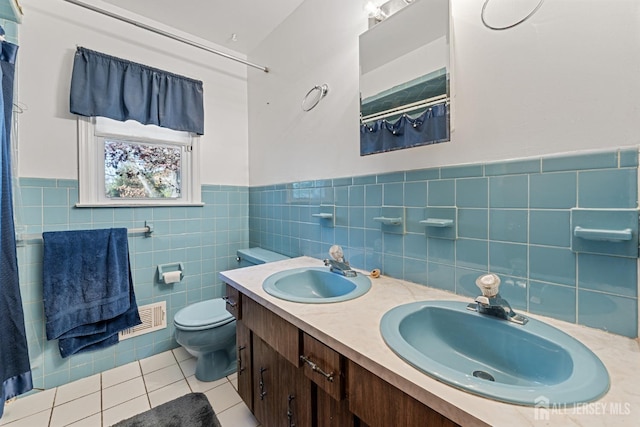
x: 483, y: 375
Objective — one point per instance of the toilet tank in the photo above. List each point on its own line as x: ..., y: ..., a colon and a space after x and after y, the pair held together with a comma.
x: 255, y: 256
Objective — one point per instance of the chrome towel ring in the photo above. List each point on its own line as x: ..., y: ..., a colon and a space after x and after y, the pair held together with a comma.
x: 492, y: 27
x: 313, y: 97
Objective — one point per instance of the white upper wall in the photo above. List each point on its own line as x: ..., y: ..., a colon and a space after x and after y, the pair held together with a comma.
x: 565, y: 80
x: 49, y: 34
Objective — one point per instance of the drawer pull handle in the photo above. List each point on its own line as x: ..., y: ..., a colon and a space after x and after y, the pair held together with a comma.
x: 314, y: 367
x: 263, y: 393
x: 229, y: 302
x: 240, y: 367
x: 290, y: 411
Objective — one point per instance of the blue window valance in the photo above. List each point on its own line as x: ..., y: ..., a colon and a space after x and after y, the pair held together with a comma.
x: 106, y: 86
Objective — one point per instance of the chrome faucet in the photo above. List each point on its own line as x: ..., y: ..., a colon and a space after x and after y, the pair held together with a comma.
x: 491, y: 303
x: 338, y: 264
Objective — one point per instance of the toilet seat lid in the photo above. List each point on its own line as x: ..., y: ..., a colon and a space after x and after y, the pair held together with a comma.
x: 203, y: 315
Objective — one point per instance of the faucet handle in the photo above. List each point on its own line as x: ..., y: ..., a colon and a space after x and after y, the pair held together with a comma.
x: 336, y: 253
x: 488, y: 284
x: 482, y: 300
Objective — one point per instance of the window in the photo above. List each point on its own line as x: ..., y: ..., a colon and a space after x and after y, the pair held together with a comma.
x: 130, y: 164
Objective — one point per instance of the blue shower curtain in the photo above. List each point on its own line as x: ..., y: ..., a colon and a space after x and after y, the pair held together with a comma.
x: 15, y: 370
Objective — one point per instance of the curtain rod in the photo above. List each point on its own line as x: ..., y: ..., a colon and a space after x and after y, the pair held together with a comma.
x: 166, y: 34
x: 404, y: 108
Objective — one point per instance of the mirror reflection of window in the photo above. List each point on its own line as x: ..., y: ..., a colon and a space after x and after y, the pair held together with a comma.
x: 404, y: 79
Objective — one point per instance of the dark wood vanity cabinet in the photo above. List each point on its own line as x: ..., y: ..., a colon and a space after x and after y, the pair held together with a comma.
x: 289, y: 378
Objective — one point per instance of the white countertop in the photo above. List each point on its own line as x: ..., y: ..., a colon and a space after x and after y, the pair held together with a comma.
x: 352, y: 329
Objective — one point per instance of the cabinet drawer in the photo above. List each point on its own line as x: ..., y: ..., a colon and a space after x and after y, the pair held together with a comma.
x: 232, y: 299
x: 281, y: 335
x: 379, y: 404
x: 324, y: 366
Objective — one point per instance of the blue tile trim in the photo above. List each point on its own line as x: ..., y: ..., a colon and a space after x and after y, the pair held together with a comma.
x: 580, y: 162
x: 515, y: 167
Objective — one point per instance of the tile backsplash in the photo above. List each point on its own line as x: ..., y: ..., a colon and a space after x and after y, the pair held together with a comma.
x: 512, y: 218
x: 204, y: 238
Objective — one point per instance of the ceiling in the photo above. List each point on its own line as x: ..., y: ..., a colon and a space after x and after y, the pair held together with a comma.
x: 215, y: 20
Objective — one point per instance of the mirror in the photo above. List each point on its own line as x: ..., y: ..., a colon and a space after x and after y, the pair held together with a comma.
x: 404, y: 78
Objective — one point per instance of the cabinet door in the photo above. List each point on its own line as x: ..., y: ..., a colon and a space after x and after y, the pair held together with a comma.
x: 331, y: 412
x: 282, y: 394
x: 245, y: 380
x: 265, y: 383
x: 379, y: 404
x: 296, y: 395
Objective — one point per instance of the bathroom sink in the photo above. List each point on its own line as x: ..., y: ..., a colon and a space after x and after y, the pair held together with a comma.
x: 491, y: 357
x: 315, y: 285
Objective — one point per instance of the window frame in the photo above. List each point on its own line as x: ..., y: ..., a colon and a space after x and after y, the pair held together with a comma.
x: 91, y: 185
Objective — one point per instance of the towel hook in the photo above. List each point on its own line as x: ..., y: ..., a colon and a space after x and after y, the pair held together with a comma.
x: 309, y: 102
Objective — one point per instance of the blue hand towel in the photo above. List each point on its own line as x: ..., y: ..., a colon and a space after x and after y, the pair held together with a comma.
x: 87, y: 287
x: 106, y: 332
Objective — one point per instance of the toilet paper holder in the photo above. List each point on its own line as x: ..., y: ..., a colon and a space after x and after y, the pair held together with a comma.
x: 170, y: 268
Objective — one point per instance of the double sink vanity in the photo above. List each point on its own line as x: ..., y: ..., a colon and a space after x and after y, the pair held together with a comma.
x: 321, y: 348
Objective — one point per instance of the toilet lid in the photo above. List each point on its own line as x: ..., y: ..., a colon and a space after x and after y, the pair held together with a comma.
x: 203, y: 315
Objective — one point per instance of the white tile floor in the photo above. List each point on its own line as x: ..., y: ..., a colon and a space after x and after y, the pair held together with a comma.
x: 104, y: 399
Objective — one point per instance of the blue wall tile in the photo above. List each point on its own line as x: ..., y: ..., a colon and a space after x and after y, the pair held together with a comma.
x: 415, y: 246
x: 508, y: 225
x: 509, y: 191
x: 608, y: 312
x: 441, y: 251
x: 553, y: 191
x: 554, y: 265
x: 415, y: 193
x: 466, y: 282
x: 415, y: 271
x: 472, y: 253
x: 508, y: 258
x: 551, y: 228
x: 473, y: 223
x: 614, y: 275
x: 472, y: 193
x: 441, y: 276
x: 608, y: 189
x: 442, y: 193
x: 393, y: 194
x: 553, y: 301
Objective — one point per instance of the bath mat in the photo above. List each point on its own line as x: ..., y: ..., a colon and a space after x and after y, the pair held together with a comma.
x: 190, y: 410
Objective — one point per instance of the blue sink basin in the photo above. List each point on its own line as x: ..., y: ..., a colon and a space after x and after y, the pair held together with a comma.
x: 494, y: 358
x: 315, y: 285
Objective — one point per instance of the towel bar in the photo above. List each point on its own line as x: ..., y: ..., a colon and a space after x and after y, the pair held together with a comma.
x: 147, y: 230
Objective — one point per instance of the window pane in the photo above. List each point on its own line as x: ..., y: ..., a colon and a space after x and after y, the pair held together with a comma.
x: 141, y: 171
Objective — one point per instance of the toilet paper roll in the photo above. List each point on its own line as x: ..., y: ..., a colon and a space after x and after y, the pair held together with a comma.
x: 171, y: 277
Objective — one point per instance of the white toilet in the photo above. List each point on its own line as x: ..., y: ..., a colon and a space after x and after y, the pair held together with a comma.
x: 208, y: 331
